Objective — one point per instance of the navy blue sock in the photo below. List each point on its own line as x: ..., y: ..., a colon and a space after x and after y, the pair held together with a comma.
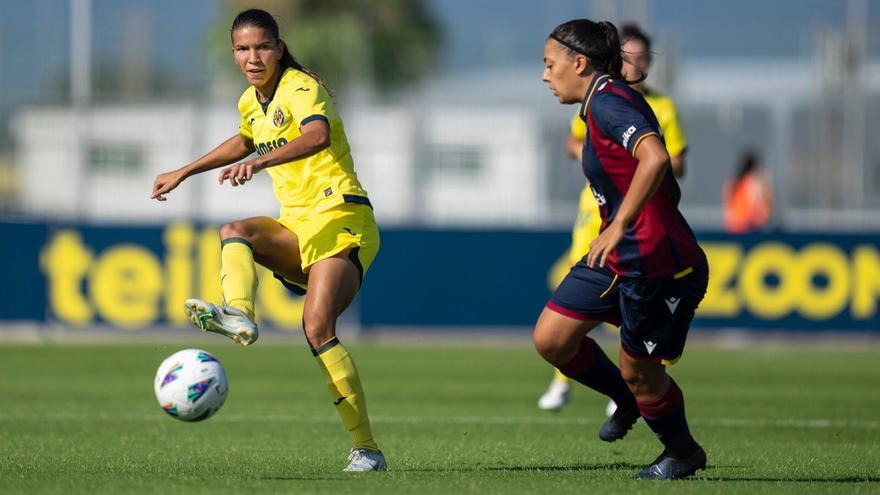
x: 591, y: 367
x: 666, y: 418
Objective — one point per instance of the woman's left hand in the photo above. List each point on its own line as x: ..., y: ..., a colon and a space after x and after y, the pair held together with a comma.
x: 240, y: 173
x: 602, y: 246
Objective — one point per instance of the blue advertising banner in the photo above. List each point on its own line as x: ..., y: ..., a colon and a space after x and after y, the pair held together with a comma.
x: 136, y: 277
x: 805, y: 282
x: 124, y: 277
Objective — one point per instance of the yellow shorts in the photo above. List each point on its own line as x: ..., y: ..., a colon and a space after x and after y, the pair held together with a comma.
x: 326, y: 233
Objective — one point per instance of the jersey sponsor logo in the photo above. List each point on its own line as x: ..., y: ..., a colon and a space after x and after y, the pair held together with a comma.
x: 328, y: 191
x: 650, y: 346
x: 348, y: 230
x: 600, y: 198
x: 628, y: 134
x: 251, y: 121
x: 278, y: 118
x: 302, y: 89
x: 672, y: 303
x: 339, y: 400
x: 263, y: 148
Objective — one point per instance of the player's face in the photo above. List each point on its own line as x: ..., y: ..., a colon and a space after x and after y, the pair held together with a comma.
x: 636, y: 59
x: 564, y: 73
x: 257, y: 54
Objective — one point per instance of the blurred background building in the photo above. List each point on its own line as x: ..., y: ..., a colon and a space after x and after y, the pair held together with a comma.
x: 449, y: 121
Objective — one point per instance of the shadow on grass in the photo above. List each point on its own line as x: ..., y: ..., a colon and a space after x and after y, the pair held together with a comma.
x: 839, y: 479
x: 302, y: 478
x: 533, y: 468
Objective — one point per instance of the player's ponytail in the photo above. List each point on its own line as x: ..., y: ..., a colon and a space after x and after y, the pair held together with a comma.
x: 599, y: 42
x: 288, y: 60
x: 264, y: 20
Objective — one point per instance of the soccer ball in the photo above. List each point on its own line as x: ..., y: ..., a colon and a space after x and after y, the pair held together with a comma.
x: 191, y: 385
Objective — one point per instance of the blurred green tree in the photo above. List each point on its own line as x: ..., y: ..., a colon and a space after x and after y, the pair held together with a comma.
x: 381, y: 45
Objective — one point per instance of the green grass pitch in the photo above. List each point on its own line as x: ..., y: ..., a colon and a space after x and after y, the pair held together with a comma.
x: 82, y: 419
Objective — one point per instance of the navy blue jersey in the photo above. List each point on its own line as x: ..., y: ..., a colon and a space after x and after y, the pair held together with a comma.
x: 659, y: 243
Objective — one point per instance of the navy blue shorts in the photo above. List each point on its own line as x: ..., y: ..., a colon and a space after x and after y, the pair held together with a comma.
x: 653, y: 316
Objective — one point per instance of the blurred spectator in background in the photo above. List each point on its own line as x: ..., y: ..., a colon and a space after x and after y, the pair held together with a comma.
x: 747, y: 196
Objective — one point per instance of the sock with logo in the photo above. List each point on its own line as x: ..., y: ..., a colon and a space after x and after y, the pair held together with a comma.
x: 666, y: 418
x: 591, y: 367
x: 345, y: 388
x: 238, y: 275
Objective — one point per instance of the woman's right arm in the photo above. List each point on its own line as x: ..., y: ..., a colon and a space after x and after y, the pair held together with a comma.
x: 230, y: 151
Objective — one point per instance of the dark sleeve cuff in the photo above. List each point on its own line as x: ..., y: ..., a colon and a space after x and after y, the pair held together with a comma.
x: 310, y: 118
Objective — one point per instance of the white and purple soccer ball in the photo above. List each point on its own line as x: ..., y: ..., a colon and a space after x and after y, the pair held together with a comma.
x: 191, y: 385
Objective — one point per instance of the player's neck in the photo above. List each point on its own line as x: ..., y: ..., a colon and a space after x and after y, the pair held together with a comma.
x: 586, y: 82
x: 267, y: 91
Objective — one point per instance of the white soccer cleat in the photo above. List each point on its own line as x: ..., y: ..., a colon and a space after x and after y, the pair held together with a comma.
x: 556, y: 396
x: 363, y: 460
x: 224, y: 320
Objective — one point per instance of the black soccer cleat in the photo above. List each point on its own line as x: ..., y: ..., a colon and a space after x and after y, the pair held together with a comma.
x: 618, y: 424
x: 669, y: 467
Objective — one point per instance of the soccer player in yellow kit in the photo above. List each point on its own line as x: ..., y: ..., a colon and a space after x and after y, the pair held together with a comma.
x: 325, y: 236
x: 636, y: 48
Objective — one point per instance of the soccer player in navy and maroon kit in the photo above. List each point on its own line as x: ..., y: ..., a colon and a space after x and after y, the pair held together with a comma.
x: 645, y: 272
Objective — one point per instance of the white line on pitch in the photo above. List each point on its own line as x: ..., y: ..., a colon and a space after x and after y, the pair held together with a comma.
x: 463, y: 420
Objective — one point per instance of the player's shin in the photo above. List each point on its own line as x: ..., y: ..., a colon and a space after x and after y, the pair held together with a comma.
x: 238, y: 276
x: 591, y: 367
x: 345, y: 388
x: 666, y: 417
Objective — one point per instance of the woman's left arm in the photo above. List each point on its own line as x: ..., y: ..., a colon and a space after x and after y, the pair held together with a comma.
x: 314, y: 138
x: 653, y: 161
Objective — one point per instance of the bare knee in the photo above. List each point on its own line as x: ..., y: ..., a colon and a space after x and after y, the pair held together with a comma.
x: 318, y: 328
x: 238, y: 229
x: 553, y: 349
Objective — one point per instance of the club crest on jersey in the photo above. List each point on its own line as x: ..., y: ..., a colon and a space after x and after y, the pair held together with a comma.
x: 278, y: 118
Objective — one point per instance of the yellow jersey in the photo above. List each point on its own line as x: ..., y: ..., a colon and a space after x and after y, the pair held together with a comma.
x: 314, y: 183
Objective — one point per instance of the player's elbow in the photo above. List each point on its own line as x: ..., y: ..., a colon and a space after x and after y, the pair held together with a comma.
x: 656, y: 160
x: 677, y: 163
x: 574, y: 147
x: 320, y: 140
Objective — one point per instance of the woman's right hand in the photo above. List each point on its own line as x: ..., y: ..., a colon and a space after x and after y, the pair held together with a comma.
x: 165, y: 183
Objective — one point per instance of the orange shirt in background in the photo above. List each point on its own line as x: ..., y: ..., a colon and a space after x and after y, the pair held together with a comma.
x: 747, y: 204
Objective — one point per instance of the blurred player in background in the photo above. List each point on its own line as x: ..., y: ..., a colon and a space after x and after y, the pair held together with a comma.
x: 636, y: 48
x: 325, y: 237
x: 747, y: 197
x: 645, y: 270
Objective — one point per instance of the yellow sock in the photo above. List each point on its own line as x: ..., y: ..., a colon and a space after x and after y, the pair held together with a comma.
x: 238, y: 275
x: 345, y: 388
x: 559, y: 377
